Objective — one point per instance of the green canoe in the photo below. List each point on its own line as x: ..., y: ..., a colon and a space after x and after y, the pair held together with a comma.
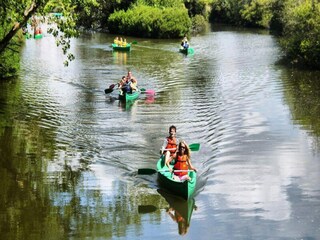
x: 120, y: 48
x: 129, y: 97
x: 186, y: 51
x: 184, y: 189
x: 38, y: 36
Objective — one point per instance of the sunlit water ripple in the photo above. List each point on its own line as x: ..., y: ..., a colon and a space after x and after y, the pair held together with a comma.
x: 228, y: 97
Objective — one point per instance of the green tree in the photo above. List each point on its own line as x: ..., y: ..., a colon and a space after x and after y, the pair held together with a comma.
x: 157, y: 21
x: 301, y: 33
x: 15, y: 14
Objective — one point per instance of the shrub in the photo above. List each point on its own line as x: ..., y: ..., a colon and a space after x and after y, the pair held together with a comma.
x: 147, y: 21
x: 199, y: 23
x: 301, y: 34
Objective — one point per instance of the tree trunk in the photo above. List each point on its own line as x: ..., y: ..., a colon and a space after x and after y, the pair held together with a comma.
x: 27, y: 14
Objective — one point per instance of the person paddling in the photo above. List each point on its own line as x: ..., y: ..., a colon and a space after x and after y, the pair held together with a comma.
x: 132, y: 82
x: 184, y: 42
x: 121, y: 85
x: 182, y: 162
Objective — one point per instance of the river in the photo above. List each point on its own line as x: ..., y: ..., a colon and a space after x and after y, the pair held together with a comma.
x: 69, y: 153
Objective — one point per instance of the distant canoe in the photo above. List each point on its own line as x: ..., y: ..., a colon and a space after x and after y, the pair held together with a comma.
x: 121, y: 48
x: 38, y: 36
x: 129, y: 97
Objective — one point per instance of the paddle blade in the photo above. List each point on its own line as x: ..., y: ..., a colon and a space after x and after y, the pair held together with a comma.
x: 108, y: 90
x: 112, y: 86
x: 134, y: 42
x: 146, y: 171
x: 194, y: 147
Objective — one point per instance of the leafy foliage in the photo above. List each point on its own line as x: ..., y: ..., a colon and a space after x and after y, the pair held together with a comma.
x: 15, y: 15
x: 256, y: 13
x: 147, y: 21
x: 302, y: 33
x: 161, y: 3
x: 199, y: 23
x: 250, y: 13
x: 226, y: 11
x: 298, y: 22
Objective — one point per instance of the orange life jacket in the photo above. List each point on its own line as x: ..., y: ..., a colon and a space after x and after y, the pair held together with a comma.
x: 172, y: 143
x: 181, y: 164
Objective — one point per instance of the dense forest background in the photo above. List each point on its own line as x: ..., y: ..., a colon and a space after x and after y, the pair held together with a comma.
x: 296, y: 23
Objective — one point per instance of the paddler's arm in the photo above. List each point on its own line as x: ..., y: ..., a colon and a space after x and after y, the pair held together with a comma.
x: 190, y: 166
x: 165, y: 142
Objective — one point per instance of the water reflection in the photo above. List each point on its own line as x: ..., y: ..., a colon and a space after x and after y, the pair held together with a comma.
x: 150, y: 98
x: 302, y: 91
x: 127, y: 106
x: 120, y: 58
x: 123, y: 106
x: 179, y: 210
x: 67, y: 150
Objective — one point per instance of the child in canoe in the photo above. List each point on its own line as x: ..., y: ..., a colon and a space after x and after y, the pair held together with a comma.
x: 169, y: 146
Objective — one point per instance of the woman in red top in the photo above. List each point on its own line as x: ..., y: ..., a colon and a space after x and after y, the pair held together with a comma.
x: 182, y: 162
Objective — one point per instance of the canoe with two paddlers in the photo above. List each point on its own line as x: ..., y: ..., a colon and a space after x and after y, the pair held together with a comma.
x: 184, y: 189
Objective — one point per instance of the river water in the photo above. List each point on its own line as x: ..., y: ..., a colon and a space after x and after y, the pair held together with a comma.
x: 69, y: 153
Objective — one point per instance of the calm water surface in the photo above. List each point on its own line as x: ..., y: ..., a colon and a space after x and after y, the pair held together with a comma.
x: 69, y: 153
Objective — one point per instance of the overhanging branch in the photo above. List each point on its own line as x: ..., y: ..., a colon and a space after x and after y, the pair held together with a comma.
x: 27, y: 14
